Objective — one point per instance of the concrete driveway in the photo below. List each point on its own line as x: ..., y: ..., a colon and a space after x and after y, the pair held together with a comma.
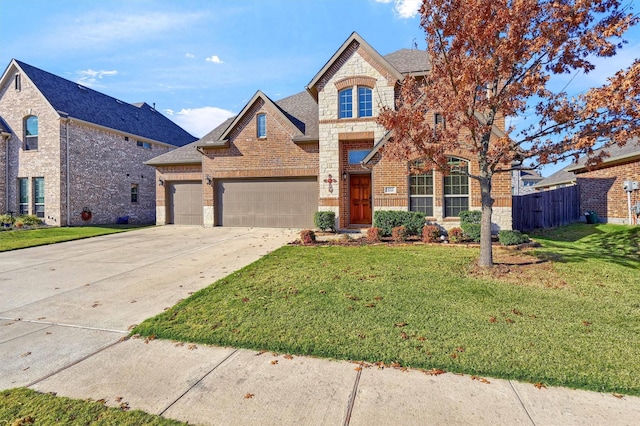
x: 62, y: 303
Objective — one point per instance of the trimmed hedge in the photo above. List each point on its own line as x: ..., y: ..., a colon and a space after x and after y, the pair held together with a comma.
x: 325, y: 220
x: 512, y: 238
x: 470, y: 223
x: 386, y: 220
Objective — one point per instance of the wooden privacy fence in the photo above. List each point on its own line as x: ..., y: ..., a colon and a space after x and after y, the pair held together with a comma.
x: 546, y: 209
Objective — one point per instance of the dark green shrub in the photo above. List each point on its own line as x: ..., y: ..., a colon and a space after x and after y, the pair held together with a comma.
x: 512, y: 238
x: 471, y: 216
x: 399, y: 234
x: 386, y: 220
x: 373, y: 235
x: 325, y: 220
x: 430, y: 234
x: 29, y: 220
x: 307, y: 237
x: 471, y: 231
x: 7, y: 219
x: 456, y: 235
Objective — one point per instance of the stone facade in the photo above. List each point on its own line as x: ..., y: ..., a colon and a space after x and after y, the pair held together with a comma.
x: 85, y: 167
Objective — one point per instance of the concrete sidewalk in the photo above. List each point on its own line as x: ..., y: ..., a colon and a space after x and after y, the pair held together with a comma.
x: 223, y: 386
x: 65, y: 308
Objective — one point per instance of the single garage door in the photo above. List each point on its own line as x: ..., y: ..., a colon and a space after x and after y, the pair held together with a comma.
x: 185, y: 203
x: 270, y: 203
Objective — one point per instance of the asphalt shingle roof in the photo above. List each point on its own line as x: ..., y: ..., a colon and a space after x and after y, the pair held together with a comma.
x: 561, y: 176
x: 616, y: 153
x: 80, y: 102
x: 412, y: 61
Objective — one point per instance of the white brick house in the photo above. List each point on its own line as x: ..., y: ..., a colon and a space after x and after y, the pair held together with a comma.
x: 66, y: 149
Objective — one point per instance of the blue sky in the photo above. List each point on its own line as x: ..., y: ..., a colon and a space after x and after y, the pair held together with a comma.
x: 200, y: 61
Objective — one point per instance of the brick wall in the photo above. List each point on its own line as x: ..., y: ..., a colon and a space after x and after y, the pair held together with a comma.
x: 602, y: 191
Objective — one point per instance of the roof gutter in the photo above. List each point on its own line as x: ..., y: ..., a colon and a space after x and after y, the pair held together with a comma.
x: 608, y: 162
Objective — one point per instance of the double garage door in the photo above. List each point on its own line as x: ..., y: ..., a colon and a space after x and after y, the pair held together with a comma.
x: 270, y: 203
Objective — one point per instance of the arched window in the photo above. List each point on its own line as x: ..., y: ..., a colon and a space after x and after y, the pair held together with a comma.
x: 421, y: 192
x: 31, y: 133
x: 365, y: 104
x: 456, y: 188
x: 345, y: 99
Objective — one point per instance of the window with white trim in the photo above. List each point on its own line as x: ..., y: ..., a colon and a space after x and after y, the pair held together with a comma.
x: 363, y: 101
x: 456, y: 188
x: 261, y: 125
x: 345, y: 99
x: 421, y: 192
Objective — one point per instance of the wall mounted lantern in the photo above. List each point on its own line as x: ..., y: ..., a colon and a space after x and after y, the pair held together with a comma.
x: 209, y: 180
x: 160, y: 181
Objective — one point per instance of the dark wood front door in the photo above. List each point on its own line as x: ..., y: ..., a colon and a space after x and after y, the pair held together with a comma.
x: 360, y: 196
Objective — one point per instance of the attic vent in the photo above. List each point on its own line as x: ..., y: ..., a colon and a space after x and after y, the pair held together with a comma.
x: 82, y: 87
x: 18, y: 86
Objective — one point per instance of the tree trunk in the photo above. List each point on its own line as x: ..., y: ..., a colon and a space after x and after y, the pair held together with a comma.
x: 486, y: 251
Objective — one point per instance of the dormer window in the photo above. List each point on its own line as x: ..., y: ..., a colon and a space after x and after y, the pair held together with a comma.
x: 261, y: 126
x: 346, y: 103
x: 31, y: 133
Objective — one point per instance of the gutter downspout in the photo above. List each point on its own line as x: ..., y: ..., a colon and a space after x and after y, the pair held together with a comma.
x: 6, y: 137
x: 67, y: 179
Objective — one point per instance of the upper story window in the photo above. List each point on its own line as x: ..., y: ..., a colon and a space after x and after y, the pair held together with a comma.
x: 365, y: 104
x: 143, y: 145
x: 346, y: 103
x: 31, y: 133
x: 16, y: 82
x: 261, y: 125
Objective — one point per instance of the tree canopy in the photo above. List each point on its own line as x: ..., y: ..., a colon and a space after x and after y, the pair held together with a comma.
x: 495, y: 59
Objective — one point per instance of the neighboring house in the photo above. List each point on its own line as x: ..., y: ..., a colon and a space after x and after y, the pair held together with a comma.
x: 559, y: 179
x: 71, y: 155
x: 523, y: 181
x: 602, y: 186
x: 276, y: 163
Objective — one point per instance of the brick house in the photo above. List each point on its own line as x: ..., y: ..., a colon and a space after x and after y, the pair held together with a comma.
x: 66, y: 149
x: 276, y: 163
x: 602, y: 187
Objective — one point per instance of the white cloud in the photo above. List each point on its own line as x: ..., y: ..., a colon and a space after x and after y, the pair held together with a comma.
x: 199, y: 121
x: 190, y: 55
x: 215, y: 59
x: 90, y: 77
x: 407, y: 8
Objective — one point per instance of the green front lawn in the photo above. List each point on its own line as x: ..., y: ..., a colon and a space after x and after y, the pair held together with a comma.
x: 17, y: 239
x: 25, y: 407
x: 569, y: 317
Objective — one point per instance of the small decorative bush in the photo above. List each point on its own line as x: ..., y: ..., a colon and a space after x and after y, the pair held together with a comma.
x: 18, y: 224
x: 471, y: 231
x: 471, y: 216
x: 307, y: 237
x: 7, y: 219
x: 373, y: 235
x: 399, y: 234
x: 30, y: 220
x: 430, y: 234
x: 456, y: 235
x: 325, y: 220
x: 512, y: 238
x: 386, y: 220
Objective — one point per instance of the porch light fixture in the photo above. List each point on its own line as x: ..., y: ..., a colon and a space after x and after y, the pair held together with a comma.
x: 160, y: 181
x: 209, y: 180
x: 344, y: 175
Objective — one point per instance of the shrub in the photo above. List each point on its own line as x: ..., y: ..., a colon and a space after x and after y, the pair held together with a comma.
x: 512, y: 238
x: 430, y: 234
x: 471, y: 216
x: 456, y: 235
x: 7, y: 219
x: 386, y: 220
x: 18, y: 224
x: 30, y: 220
x: 325, y: 220
x: 471, y: 231
x: 399, y: 234
x: 373, y: 235
x: 308, y: 237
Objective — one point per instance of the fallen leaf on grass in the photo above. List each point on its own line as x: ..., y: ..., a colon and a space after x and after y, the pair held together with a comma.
x: 378, y: 298
x: 28, y: 420
x: 150, y: 338
x: 434, y: 372
x: 404, y: 336
x: 400, y: 324
x: 480, y: 379
x: 370, y: 305
x: 177, y: 344
x: 249, y: 396
x: 124, y: 406
x: 245, y: 299
x: 287, y: 356
x: 102, y: 401
x: 260, y: 353
x: 540, y: 385
x: 509, y: 320
x: 322, y: 291
x: 516, y: 312
x: 492, y: 320
x: 586, y: 323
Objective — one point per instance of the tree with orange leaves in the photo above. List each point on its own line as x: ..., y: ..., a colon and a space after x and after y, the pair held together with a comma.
x: 494, y: 59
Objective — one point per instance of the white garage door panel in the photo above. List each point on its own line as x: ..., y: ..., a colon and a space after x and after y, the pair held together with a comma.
x: 271, y: 203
